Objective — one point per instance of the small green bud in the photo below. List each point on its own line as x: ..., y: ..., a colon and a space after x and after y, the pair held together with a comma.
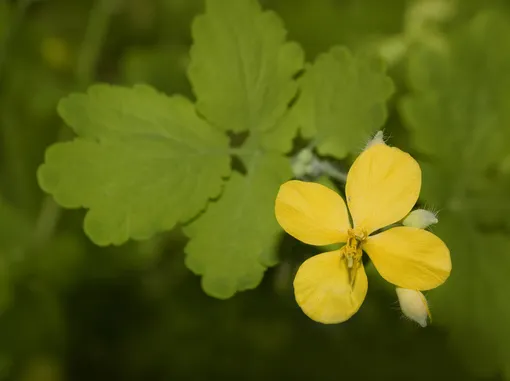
x: 420, y: 218
x: 305, y: 155
x: 302, y: 162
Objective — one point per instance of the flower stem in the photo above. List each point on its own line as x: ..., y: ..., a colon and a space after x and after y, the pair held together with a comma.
x: 330, y: 170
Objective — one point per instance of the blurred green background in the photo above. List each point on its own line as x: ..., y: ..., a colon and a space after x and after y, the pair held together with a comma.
x: 72, y: 311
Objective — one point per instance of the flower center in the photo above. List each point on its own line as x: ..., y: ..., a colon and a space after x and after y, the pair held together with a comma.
x: 352, y: 251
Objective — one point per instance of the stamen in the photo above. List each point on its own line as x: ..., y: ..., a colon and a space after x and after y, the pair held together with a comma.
x: 352, y: 252
x: 350, y: 262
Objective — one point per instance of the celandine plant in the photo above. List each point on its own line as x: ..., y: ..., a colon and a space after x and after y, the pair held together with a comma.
x: 143, y: 162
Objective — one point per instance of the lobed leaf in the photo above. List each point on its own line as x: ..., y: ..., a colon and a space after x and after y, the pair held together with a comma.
x: 242, y: 71
x: 231, y: 243
x: 241, y: 67
x: 142, y: 162
x: 342, y: 101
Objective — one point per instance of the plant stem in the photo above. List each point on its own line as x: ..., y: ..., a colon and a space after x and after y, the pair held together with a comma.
x: 88, y: 57
x: 330, y: 170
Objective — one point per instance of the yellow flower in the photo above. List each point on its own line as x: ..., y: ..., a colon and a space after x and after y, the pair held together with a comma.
x: 382, y: 187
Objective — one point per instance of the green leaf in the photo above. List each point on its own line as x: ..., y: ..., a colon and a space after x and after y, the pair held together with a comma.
x: 142, y: 162
x: 242, y: 73
x: 342, y: 101
x: 279, y: 138
x: 241, y: 67
x: 231, y: 242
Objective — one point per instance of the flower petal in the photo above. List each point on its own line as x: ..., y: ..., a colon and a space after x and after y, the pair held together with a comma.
x: 323, y: 291
x: 382, y: 187
x: 312, y: 213
x: 410, y: 257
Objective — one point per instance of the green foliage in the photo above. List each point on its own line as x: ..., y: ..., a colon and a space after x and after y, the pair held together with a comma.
x: 144, y: 162
x: 241, y: 67
x: 231, y: 243
x: 342, y: 101
x: 139, y: 155
x: 460, y: 102
x: 242, y: 72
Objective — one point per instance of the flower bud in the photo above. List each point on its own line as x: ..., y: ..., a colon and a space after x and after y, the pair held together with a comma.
x: 413, y: 305
x: 377, y: 139
x: 420, y: 218
x: 301, y: 163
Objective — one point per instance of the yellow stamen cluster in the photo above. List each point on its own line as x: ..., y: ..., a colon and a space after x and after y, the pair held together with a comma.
x: 352, y: 251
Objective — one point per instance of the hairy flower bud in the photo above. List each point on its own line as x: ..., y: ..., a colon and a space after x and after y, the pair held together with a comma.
x: 413, y: 305
x: 420, y: 218
x: 377, y: 139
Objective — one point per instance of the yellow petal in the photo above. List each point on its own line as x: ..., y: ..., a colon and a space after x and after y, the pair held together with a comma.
x: 312, y: 213
x: 323, y: 290
x: 410, y: 257
x: 382, y: 186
